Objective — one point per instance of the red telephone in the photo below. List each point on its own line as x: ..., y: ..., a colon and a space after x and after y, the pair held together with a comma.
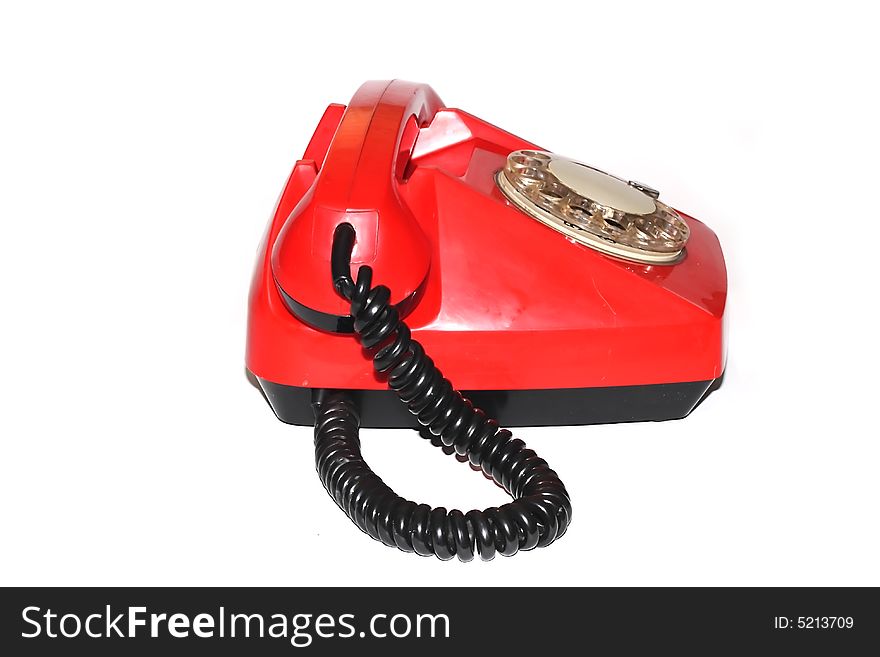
x: 550, y: 292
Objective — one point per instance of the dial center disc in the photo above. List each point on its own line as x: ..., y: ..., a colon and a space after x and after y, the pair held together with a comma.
x: 600, y: 187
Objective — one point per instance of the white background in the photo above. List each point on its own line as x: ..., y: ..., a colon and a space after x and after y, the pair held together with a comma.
x: 142, y: 148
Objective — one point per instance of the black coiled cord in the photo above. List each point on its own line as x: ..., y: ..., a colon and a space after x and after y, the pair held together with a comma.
x: 541, y: 509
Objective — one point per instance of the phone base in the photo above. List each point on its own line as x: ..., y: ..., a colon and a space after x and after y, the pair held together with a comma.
x: 512, y: 408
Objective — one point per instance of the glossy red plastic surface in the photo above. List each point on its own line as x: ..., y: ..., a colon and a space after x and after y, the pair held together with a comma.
x: 507, y: 302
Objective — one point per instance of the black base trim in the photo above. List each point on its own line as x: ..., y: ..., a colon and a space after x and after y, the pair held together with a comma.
x: 512, y: 408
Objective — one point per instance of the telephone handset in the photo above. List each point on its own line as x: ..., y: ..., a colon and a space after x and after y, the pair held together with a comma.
x: 358, y: 184
x: 550, y: 291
